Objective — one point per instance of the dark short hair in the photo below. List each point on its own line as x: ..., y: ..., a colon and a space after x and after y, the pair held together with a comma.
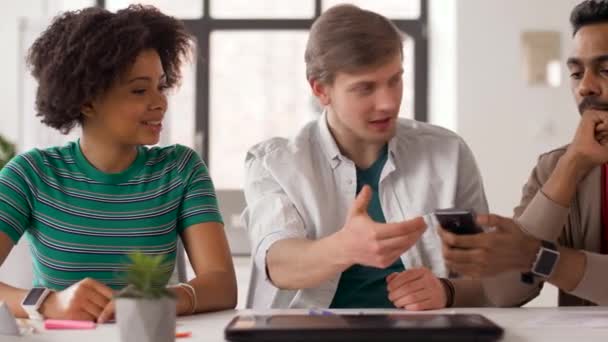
x: 83, y: 52
x: 346, y: 38
x: 588, y: 12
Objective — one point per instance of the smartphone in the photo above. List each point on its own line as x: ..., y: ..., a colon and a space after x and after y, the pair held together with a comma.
x: 458, y: 221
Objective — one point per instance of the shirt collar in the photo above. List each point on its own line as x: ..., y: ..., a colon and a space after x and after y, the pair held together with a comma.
x: 328, y: 143
x: 332, y: 152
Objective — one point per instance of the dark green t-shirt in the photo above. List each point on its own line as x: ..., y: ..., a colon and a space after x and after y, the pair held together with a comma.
x: 363, y: 286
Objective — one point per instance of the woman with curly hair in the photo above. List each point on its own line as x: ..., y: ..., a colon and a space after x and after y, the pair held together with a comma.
x: 85, y: 206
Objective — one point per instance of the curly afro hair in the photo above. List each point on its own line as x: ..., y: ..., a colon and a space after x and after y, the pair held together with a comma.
x: 83, y: 52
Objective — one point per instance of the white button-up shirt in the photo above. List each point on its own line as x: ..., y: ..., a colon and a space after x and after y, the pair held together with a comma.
x: 303, y: 187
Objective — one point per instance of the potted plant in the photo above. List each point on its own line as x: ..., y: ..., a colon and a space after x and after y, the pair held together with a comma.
x: 145, y: 309
x: 7, y: 151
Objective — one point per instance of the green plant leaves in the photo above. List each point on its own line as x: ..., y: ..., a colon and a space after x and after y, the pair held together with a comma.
x: 147, y: 276
x: 7, y: 151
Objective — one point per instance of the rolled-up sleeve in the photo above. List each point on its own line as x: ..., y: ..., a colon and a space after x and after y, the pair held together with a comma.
x: 270, y: 215
x: 593, y: 284
x: 543, y: 218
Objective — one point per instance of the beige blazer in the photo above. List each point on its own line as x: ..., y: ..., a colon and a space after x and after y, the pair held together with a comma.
x: 578, y: 227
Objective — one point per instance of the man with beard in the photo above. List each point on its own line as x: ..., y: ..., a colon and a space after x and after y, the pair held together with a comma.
x: 560, y: 231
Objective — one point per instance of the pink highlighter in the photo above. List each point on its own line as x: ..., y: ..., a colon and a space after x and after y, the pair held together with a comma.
x: 51, y: 324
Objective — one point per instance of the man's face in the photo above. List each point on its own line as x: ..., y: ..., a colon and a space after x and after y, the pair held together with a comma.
x: 363, y: 106
x: 588, y: 66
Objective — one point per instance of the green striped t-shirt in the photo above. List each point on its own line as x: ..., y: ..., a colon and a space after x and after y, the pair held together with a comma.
x: 82, y: 222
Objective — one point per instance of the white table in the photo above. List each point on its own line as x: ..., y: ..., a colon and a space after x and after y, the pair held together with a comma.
x: 516, y: 322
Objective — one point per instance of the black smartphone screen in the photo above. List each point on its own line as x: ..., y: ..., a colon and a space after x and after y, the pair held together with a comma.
x: 458, y: 221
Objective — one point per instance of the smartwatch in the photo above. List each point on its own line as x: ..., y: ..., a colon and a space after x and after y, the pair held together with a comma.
x: 544, y: 265
x: 33, y: 300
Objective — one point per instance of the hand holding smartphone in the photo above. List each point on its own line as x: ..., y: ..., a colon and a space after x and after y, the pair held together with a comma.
x: 458, y: 221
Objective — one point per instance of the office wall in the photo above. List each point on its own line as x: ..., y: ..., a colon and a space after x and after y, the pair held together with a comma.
x: 478, y: 87
x: 10, y: 13
x: 12, y: 16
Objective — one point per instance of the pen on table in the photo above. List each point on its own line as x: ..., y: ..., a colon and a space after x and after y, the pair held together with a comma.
x: 182, y: 334
x: 319, y: 312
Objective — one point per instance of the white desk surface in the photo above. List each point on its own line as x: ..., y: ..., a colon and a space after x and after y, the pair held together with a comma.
x: 517, y: 323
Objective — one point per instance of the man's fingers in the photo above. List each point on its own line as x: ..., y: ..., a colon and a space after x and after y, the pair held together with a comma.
x: 447, y: 237
x: 413, y: 298
x: 361, y: 202
x: 462, y: 256
x: 472, y: 241
x: 415, y: 226
x: 601, y: 131
x: 398, y: 244
x: 601, y: 127
x: 591, y: 118
x: 391, y: 276
x: 426, y: 304
x: 407, y: 288
x: 468, y: 270
x: 405, y: 277
x: 492, y: 220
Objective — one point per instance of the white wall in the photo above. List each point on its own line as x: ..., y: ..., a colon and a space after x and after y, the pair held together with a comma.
x: 507, y: 123
x: 443, y: 64
x: 12, y: 16
x: 9, y: 60
x: 478, y: 89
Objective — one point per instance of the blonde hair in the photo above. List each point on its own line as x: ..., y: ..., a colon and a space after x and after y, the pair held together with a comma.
x: 346, y: 38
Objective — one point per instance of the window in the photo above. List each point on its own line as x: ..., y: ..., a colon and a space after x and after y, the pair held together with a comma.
x: 262, y: 9
x: 183, y: 9
x: 249, y: 84
x: 258, y: 95
x: 32, y: 133
x: 394, y: 9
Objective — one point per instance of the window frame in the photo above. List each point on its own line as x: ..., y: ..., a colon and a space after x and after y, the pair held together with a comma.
x: 202, y: 28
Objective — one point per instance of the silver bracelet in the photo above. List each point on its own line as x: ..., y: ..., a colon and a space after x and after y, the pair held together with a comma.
x: 191, y: 293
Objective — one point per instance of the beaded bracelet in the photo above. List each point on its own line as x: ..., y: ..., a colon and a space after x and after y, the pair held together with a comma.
x: 449, y: 292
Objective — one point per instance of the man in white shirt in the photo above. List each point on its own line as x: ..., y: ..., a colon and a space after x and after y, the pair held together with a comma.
x: 335, y: 214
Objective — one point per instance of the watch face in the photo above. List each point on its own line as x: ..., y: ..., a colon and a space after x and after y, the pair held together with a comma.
x: 33, y: 296
x: 546, y: 262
